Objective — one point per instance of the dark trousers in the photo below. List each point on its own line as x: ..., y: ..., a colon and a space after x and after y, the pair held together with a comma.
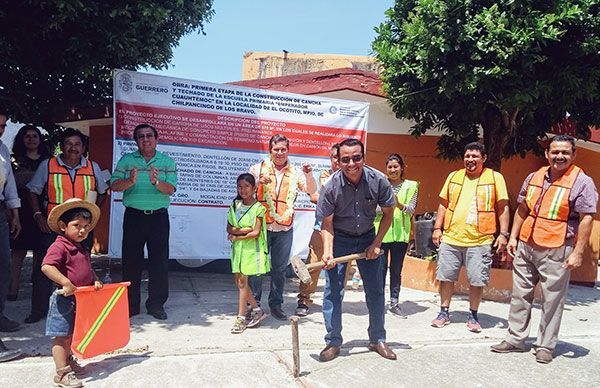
x: 151, y: 230
x: 41, y: 286
x: 397, y: 252
x: 4, y: 257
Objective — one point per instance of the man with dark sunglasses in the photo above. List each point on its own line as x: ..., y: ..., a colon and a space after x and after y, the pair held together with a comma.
x: 348, y: 206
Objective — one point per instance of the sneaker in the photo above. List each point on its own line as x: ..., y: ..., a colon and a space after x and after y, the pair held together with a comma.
x: 65, y: 377
x: 278, y: 313
x: 257, y: 318
x: 248, y: 315
x: 442, y: 319
x: 302, y: 310
x: 239, y: 325
x: 6, y: 354
x: 473, y: 324
x: 8, y: 325
x: 396, y: 310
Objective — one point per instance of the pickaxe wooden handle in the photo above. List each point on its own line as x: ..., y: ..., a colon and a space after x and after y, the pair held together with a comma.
x: 338, y: 260
x: 303, y: 271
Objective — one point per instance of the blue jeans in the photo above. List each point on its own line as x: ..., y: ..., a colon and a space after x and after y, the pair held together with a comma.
x: 280, y: 246
x: 61, y: 315
x: 371, y: 272
x: 4, y: 258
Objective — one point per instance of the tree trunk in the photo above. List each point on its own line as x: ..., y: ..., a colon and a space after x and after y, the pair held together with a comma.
x: 497, y: 127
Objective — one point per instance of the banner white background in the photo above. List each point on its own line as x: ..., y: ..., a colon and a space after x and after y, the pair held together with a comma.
x: 214, y: 133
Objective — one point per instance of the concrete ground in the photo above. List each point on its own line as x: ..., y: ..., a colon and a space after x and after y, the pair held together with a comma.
x: 194, y: 346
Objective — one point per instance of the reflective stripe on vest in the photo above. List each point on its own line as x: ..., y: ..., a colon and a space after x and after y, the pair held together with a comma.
x: 279, y: 194
x: 61, y: 187
x: 485, y: 195
x: 547, y: 225
x: 250, y: 252
x: 399, y: 231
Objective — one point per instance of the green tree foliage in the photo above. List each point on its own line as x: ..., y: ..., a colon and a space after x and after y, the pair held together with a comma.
x: 511, y: 67
x: 60, y: 53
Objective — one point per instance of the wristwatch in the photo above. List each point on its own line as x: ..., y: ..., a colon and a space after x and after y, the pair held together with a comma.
x: 505, y: 234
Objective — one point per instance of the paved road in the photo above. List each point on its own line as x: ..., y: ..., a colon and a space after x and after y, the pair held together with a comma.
x: 194, y: 346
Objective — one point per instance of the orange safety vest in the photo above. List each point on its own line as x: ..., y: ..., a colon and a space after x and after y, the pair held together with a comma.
x: 485, y: 198
x: 61, y: 187
x: 279, y: 194
x: 548, y: 225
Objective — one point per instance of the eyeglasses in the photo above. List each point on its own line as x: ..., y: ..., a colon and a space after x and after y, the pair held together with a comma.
x: 145, y: 136
x: 347, y: 159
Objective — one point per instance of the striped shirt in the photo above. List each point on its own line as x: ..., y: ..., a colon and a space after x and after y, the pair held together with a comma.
x: 143, y: 195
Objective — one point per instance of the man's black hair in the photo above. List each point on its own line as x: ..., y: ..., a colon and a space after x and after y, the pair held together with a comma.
x: 351, y: 143
x: 476, y: 146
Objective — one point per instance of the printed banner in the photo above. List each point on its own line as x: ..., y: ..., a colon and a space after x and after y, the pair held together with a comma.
x: 215, y: 132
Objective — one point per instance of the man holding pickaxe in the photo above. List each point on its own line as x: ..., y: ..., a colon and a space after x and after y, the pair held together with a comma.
x: 347, y: 204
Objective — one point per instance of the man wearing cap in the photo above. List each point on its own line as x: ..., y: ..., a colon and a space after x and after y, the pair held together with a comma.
x: 550, y: 232
x: 147, y: 179
x: 68, y: 175
x: 9, y: 227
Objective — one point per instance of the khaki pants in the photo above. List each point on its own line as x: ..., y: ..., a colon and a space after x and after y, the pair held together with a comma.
x: 533, y: 264
x: 315, y: 253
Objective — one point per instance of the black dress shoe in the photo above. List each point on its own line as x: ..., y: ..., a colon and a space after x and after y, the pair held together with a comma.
x: 278, y: 313
x: 383, y: 350
x: 329, y: 353
x: 34, y: 317
x: 158, y: 314
x: 8, y: 325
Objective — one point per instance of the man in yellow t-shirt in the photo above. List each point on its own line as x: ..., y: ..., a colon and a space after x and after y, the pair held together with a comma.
x: 471, y: 201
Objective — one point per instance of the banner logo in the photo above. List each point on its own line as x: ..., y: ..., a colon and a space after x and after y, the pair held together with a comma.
x: 125, y: 83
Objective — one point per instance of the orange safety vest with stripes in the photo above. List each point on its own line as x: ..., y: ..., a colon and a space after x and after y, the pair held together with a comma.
x: 485, y: 199
x: 278, y: 194
x: 548, y: 225
x: 61, y: 187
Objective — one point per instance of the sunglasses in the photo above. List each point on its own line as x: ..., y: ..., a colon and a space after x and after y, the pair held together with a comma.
x: 347, y: 159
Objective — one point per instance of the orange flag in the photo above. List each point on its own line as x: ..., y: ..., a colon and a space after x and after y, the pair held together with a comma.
x: 101, y: 320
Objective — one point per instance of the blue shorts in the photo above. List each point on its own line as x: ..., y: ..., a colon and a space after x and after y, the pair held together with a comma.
x: 61, y: 315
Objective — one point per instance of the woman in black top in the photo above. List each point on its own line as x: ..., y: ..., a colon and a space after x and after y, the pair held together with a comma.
x: 29, y: 150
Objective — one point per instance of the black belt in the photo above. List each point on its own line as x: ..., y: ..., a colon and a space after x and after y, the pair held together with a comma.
x: 148, y: 212
x: 372, y: 230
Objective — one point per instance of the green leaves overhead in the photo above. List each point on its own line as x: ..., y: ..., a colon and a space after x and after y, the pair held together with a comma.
x: 60, y: 53
x: 447, y: 62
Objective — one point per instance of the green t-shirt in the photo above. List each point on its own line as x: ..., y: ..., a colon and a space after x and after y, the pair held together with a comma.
x: 143, y: 195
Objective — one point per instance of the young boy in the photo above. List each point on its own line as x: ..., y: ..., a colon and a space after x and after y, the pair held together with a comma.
x: 67, y: 264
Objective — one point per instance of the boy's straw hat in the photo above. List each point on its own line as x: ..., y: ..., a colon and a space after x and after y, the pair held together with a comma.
x: 69, y: 204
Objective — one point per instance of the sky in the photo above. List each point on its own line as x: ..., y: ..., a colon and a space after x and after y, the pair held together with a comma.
x: 239, y: 26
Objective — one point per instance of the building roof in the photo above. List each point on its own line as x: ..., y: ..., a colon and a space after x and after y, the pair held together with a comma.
x: 321, y: 82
